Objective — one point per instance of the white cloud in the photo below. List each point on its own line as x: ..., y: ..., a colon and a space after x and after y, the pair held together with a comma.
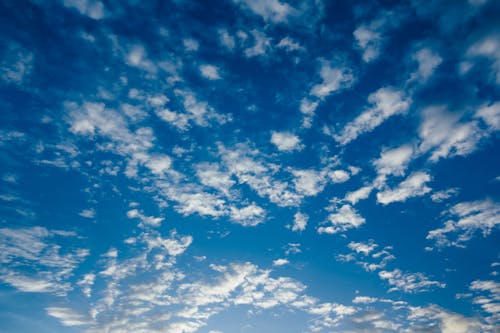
x: 299, y: 222
x: 413, y: 186
x: 288, y: 44
x: 394, y: 161
x: 386, y: 102
x: 490, y: 114
x: 91, y: 8
x: 369, y: 40
x: 360, y: 194
x: 342, y: 219
x: 466, y: 218
x: 32, y: 262
x: 286, y: 141
x: 333, y: 79
x: 16, y: 64
x: 262, y: 44
x: 339, y: 176
x: 364, y: 248
x: 409, y: 282
x: 308, y: 182
x: 428, y: 61
x: 211, y: 175
x: 87, y: 213
x: 443, y: 195
x: 488, y: 47
x: 226, y: 39
x: 68, y: 317
x: 248, y: 216
x: 148, y: 220
x: 445, y: 136
x: 273, y: 11
x: 210, y: 72
x: 280, y: 262
x: 190, y: 44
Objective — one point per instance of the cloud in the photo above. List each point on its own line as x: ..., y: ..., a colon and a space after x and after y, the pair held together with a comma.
x: 91, y: 8
x: 386, y: 102
x: 68, y: 317
x: 32, y: 262
x: 369, y: 40
x: 487, y: 47
x: 87, y: 213
x: 211, y: 175
x: 286, y: 141
x: 190, y: 44
x: 413, y: 186
x: 394, y: 161
x: 226, y: 40
x: 427, y: 60
x: 342, y: 219
x: 409, y: 282
x: 250, y: 215
x: 299, y: 222
x: 280, y: 262
x: 261, y: 46
x: 359, y: 194
x: 466, y: 218
x: 210, y: 72
x: 308, y: 182
x: 443, y: 195
x: 445, y: 136
x: 289, y: 45
x: 273, y: 11
x: 333, y: 79
x: 16, y: 64
x: 147, y: 220
x: 364, y: 248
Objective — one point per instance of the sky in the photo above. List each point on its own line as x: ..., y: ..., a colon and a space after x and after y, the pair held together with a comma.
x: 243, y: 166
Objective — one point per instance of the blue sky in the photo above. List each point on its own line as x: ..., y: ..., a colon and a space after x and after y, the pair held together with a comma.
x: 249, y: 166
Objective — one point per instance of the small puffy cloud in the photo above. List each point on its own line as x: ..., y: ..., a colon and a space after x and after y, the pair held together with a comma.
x: 68, y: 317
x: 262, y: 44
x: 273, y: 11
x: 369, y: 40
x: 359, y: 194
x: 288, y: 44
x: 299, y: 222
x: 280, y: 262
x: 413, y: 186
x: 467, y: 218
x: 333, y: 79
x: 248, y: 216
x: 16, y: 64
x: 442, y: 133
x: 87, y: 213
x: 339, y: 176
x: 443, y: 195
x: 364, y: 248
x: 308, y: 182
x: 226, y: 39
x: 394, y: 161
x: 210, y: 72
x: 286, y: 141
x: 342, y: 219
x: 490, y: 114
x: 386, y: 102
x: 211, y: 175
x: 148, y: 220
x: 428, y: 61
x: 409, y: 282
x: 91, y: 8
x: 489, y: 48
x: 190, y: 44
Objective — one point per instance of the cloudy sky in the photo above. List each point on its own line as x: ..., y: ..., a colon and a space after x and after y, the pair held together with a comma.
x: 249, y: 166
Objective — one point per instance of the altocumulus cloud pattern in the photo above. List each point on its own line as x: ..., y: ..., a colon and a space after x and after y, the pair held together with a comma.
x: 249, y: 166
